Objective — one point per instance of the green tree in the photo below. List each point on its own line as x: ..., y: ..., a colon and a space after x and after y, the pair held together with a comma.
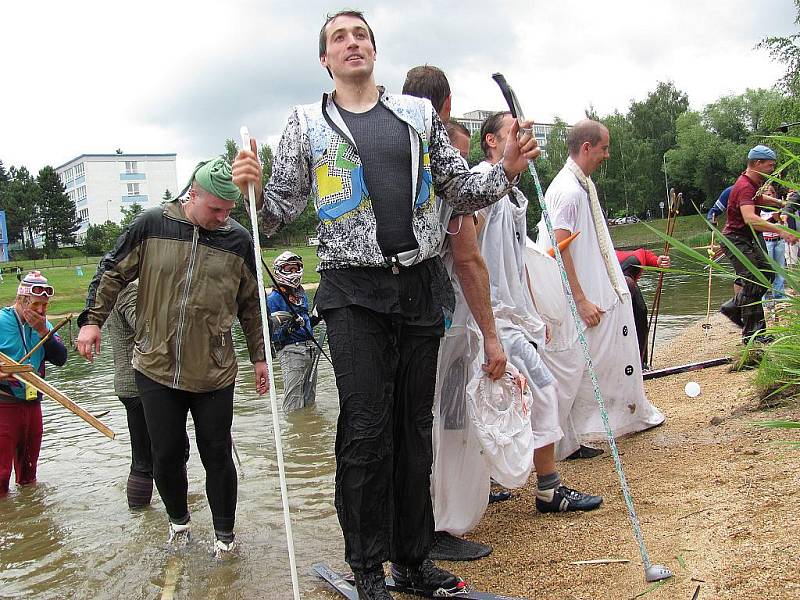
x: 167, y: 197
x: 786, y: 50
x: 21, y: 203
x: 59, y: 221
x: 131, y: 212
x: 240, y: 212
x: 101, y: 238
x: 703, y: 163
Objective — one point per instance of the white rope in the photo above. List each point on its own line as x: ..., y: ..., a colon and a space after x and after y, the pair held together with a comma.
x: 276, y: 428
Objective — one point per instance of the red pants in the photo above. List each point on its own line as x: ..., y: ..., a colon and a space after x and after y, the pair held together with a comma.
x: 20, y: 442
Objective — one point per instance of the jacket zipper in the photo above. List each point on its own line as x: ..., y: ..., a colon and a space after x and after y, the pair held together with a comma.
x: 184, y: 302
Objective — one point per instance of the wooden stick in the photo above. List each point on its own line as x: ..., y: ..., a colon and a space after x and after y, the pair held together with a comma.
x: 653, y: 323
x: 50, y: 333
x: 710, y: 271
x: 601, y: 561
x: 13, y: 369
x: 45, y: 388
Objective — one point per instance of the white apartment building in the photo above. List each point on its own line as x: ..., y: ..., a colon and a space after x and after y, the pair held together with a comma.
x: 474, y: 119
x: 103, y: 184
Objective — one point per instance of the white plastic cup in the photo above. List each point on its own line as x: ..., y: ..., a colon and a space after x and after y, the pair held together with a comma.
x: 692, y: 389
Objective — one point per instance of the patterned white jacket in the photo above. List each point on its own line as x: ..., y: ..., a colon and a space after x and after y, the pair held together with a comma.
x: 317, y: 155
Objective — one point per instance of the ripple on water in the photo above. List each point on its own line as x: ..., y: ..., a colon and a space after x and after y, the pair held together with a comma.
x: 72, y: 535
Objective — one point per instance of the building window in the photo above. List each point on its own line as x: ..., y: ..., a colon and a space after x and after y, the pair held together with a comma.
x: 83, y: 214
x: 82, y: 193
x: 133, y: 189
x: 69, y: 176
x: 79, y: 170
x: 131, y: 166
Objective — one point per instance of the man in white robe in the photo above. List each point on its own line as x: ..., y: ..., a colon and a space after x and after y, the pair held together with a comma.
x: 602, y: 299
x: 502, y: 239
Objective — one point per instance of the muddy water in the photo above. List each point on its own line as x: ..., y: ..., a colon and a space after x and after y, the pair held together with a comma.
x: 72, y: 535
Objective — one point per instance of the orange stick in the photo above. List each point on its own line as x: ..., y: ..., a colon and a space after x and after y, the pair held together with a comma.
x: 563, y: 244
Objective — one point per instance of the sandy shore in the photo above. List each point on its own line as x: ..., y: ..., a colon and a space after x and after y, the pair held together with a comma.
x: 716, y: 496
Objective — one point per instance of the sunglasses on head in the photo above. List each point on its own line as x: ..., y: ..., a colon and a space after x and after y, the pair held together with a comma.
x: 42, y: 290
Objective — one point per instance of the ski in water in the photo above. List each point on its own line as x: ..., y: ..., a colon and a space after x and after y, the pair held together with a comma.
x: 344, y: 584
x: 335, y: 580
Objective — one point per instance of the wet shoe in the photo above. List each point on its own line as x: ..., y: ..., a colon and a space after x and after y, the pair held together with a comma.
x: 501, y: 496
x: 371, y: 585
x: 179, y: 535
x: 427, y: 579
x: 733, y: 312
x: 449, y: 547
x: 223, y: 549
x: 564, y: 499
x: 585, y: 452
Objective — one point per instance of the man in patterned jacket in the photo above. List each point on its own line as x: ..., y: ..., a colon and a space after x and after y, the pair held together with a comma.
x: 372, y: 161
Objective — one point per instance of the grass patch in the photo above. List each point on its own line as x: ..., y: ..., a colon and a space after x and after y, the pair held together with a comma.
x: 637, y: 235
x: 71, y: 288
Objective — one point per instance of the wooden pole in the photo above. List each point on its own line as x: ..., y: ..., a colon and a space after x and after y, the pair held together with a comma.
x: 50, y: 333
x: 45, y: 388
x: 674, y: 209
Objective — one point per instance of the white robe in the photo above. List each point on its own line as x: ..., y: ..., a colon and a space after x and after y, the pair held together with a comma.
x: 612, y: 344
x: 502, y: 241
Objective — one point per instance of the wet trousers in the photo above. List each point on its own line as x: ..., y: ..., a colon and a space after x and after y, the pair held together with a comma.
x: 386, y: 374
x: 140, y: 479
x: 299, y: 383
x: 141, y: 456
x: 748, y: 300
x: 631, y: 268
x: 165, y: 411
x: 20, y: 442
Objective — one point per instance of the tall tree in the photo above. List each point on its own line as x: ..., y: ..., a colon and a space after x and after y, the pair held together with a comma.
x: 101, y: 238
x: 21, y: 203
x: 785, y: 49
x: 59, y: 221
x: 129, y: 213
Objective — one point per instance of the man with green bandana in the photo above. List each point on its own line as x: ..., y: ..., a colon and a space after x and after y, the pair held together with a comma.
x: 197, y: 273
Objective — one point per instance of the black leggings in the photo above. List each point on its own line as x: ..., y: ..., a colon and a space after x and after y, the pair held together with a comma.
x: 212, y: 412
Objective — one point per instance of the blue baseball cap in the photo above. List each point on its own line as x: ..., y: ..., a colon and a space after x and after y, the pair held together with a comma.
x: 761, y: 152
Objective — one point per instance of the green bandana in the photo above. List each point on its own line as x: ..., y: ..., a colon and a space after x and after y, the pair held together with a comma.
x: 214, y: 176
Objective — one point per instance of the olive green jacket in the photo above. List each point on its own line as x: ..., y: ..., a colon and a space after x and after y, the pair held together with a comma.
x: 193, y: 283
x: 121, y: 328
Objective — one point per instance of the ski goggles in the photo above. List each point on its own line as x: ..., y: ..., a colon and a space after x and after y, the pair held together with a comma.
x: 37, y: 289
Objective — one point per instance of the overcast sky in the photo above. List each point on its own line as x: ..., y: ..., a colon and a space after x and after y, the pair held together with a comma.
x: 167, y: 76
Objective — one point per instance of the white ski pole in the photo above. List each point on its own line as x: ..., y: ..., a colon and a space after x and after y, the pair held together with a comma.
x: 652, y: 572
x: 276, y: 428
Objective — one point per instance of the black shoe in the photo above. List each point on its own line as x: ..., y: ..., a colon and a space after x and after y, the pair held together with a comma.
x: 449, y: 547
x: 733, y: 312
x: 501, y: 496
x: 585, y: 452
x: 764, y: 339
x: 428, y: 579
x: 563, y: 499
x: 371, y: 585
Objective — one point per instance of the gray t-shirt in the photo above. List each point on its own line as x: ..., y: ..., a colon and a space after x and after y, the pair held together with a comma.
x: 384, y: 146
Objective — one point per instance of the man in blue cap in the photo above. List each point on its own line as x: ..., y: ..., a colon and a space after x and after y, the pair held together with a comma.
x: 743, y: 229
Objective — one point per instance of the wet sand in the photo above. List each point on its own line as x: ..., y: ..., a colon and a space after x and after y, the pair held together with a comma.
x: 716, y: 497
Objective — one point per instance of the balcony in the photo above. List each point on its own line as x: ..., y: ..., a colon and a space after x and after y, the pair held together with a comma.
x: 139, y: 199
x: 132, y: 177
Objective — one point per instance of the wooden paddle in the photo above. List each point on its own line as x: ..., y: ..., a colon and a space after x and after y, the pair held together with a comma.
x: 45, y: 388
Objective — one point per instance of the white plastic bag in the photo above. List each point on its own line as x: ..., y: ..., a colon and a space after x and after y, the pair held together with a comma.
x: 500, y: 412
